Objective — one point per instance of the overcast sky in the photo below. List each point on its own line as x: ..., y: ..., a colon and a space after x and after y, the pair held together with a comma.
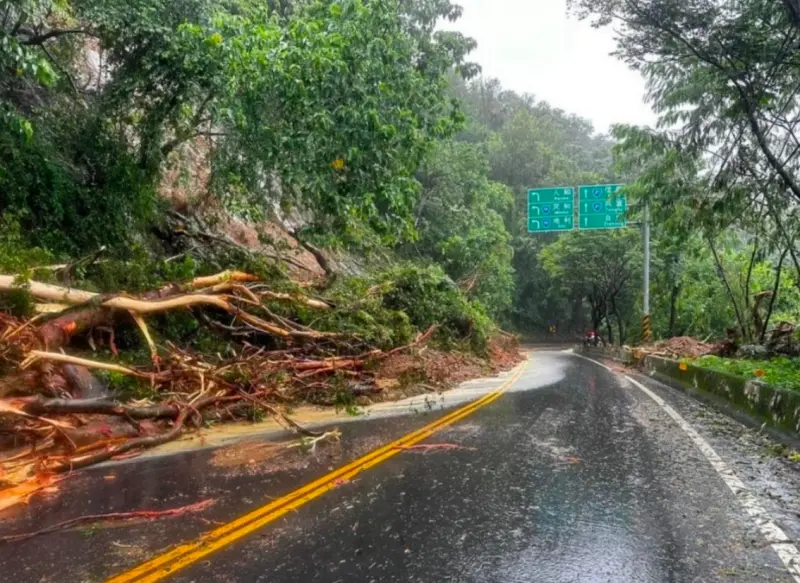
x: 533, y: 47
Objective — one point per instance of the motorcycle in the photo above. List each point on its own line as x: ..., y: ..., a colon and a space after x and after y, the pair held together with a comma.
x: 592, y: 338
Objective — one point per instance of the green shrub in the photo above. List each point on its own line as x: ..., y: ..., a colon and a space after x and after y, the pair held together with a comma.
x: 73, y: 188
x: 780, y: 371
x: 359, y: 310
x: 18, y: 259
x: 429, y: 297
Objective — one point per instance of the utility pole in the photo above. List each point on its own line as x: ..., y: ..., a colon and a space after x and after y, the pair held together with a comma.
x: 646, y: 330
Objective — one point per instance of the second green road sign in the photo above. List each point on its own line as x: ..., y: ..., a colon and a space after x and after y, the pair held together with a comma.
x: 550, y: 209
x: 601, y: 207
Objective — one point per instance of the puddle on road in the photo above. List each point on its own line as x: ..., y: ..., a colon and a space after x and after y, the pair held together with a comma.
x: 544, y: 369
x: 248, y: 453
x: 600, y: 552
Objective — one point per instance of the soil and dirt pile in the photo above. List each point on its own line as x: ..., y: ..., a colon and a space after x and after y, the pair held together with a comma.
x: 779, y: 340
x: 680, y: 347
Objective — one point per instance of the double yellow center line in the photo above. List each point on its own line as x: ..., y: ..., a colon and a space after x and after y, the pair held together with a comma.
x: 183, y: 555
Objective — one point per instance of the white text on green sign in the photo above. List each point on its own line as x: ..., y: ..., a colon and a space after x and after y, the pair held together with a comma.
x: 601, y: 207
x: 550, y: 209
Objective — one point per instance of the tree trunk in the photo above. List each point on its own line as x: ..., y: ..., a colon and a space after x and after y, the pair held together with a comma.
x: 608, y: 328
x: 321, y: 258
x: 721, y: 274
x: 673, y: 309
x: 597, y: 311
x: 789, y: 239
x: 761, y: 139
x: 774, y: 295
x: 578, y: 323
x: 620, y: 325
x: 796, y: 265
x: 776, y: 216
x: 747, y: 333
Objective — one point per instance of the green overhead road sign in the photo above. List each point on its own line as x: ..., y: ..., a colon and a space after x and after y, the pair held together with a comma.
x: 601, y: 207
x: 550, y: 209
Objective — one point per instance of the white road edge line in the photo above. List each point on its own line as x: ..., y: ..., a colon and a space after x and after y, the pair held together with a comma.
x: 774, y: 535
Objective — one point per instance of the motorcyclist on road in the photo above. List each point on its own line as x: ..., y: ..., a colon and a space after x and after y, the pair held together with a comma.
x: 592, y: 338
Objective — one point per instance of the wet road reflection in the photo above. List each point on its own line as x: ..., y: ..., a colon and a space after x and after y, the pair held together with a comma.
x: 570, y: 477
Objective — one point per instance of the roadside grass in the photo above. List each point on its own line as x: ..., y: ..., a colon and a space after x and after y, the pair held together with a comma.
x: 780, y: 371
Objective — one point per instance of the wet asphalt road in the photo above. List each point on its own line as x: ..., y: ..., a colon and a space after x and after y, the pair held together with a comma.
x: 573, y: 476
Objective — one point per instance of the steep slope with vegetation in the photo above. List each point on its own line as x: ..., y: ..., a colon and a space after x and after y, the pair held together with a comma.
x: 136, y: 135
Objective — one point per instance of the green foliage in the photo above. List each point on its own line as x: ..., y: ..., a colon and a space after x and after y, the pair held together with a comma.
x: 328, y: 108
x: 344, y: 112
x: 69, y: 213
x: 15, y: 255
x: 361, y: 311
x: 390, y: 306
x: 600, y: 268
x: 183, y: 329
x: 18, y: 301
x: 719, y: 172
x: 459, y: 218
x: 344, y: 400
x: 429, y: 297
x: 357, y: 117
x: 18, y: 259
x: 254, y: 413
x: 780, y: 371
x: 143, y: 270
x: 525, y: 143
x: 125, y: 387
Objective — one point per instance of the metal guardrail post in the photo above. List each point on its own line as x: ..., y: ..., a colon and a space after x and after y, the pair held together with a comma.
x: 646, y: 329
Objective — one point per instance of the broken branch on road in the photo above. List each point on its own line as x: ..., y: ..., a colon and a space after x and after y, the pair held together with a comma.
x: 429, y: 447
x: 112, y: 517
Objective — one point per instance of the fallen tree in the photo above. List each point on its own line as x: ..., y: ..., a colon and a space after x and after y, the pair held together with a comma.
x: 62, y: 411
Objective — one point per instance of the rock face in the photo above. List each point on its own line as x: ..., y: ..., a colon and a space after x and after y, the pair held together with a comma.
x: 752, y: 351
x: 185, y: 184
x: 781, y: 340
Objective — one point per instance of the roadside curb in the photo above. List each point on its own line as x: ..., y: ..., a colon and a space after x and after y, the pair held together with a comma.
x: 317, y: 418
x: 751, y: 402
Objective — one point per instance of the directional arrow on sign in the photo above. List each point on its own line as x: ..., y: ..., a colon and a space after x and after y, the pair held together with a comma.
x: 554, y: 206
